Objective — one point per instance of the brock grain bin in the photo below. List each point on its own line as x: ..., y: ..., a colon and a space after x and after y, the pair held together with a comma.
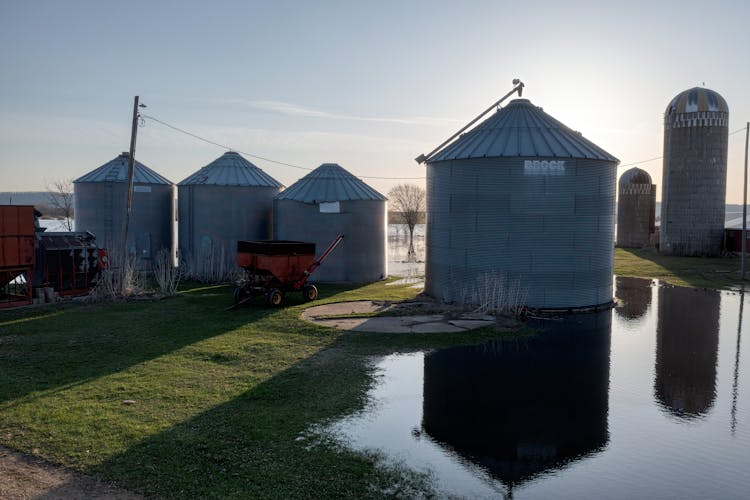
x: 229, y: 199
x: 330, y: 201
x: 101, y: 199
x: 521, y: 204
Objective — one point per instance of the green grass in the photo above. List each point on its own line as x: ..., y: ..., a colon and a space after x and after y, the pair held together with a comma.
x: 222, y: 399
x: 697, y: 272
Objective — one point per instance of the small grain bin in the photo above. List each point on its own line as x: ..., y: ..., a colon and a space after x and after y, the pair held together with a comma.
x: 229, y: 199
x: 693, y: 199
x: 329, y: 201
x: 636, y: 209
x: 520, y: 210
x: 100, y: 205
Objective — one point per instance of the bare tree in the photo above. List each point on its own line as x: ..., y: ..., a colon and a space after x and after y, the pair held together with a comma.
x: 409, y: 201
x: 60, y: 197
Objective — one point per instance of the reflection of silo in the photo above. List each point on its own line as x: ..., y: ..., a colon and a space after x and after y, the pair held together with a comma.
x: 695, y: 174
x: 687, y: 341
x: 229, y: 199
x: 101, y: 199
x: 522, y: 407
x: 636, y: 209
x: 633, y: 296
x: 330, y: 201
x: 523, y: 198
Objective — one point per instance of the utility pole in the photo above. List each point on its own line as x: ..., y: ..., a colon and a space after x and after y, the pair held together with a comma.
x: 131, y: 168
x: 744, y: 203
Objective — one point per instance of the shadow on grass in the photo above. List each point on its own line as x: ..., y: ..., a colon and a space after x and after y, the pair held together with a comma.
x: 56, y: 348
x: 701, y: 272
x: 256, y: 445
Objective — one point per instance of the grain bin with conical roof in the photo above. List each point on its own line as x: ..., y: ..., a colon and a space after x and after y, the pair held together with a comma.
x: 694, y: 181
x: 636, y: 209
x: 229, y: 199
x: 521, y: 205
x: 100, y: 204
x: 329, y: 201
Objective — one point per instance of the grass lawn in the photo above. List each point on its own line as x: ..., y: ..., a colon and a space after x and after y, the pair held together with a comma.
x: 180, y: 398
x: 685, y: 271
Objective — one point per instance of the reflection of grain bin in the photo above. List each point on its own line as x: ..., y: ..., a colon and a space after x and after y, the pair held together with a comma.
x: 330, y: 201
x: 229, y: 199
x: 687, y: 343
x: 522, y: 197
x: 521, y: 407
x: 636, y: 209
x: 695, y: 173
x: 100, y: 202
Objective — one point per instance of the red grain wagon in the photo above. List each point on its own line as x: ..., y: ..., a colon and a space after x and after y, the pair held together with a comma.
x: 275, y: 267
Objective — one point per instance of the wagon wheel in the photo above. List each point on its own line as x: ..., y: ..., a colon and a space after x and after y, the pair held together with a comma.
x: 274, y: 297
x: 239, y: 294
x: 310, y: 293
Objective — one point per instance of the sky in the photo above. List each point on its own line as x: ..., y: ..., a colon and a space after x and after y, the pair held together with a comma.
x: 367, y: 85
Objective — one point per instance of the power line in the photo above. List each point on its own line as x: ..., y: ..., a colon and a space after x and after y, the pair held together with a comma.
x: 228, y: 148
x: 660, y: 157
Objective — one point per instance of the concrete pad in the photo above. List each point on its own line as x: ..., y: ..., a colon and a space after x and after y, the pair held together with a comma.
x: 436, y: 327
x: 470, y: 324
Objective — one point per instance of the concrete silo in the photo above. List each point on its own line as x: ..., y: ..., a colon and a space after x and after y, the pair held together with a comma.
x: 636, y: 209
x: 329, y: 201
x: 521, y: 204
x: 229, y: 199
x: 100, y: 203
x: 695, y: 174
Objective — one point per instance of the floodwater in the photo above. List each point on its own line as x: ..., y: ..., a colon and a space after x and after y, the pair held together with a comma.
x: 650, y: 399
x: 398, y: 247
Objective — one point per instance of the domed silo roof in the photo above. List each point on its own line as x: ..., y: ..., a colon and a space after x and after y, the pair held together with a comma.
x: 330, y: 201
x: 636, y: 209
x: 229, y: 199
x: 635, y: 176
x: 329, y: 182
x: 694, y: 175
x: 523, y: 201
x: 100, y: 204
x: 696, y: 100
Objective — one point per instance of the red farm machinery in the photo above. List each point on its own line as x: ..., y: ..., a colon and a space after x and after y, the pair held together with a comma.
x: 276, y: 267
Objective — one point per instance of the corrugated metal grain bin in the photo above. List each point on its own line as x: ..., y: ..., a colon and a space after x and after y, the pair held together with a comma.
x: 329, y: 201
x: 636, y: 209
x: 100, y: 202
x: 228, y: 200
x: 521, y: 205
x: 694, y: 182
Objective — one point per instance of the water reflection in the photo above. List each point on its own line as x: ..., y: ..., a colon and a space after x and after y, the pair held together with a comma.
x: 519, y: 408
x: 687, y: 343
x: 633, y: 296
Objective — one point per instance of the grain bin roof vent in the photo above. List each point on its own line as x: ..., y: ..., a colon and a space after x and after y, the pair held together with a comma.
x: 521, y: 130
x: 117, y: 171
x: 231, y: 169
x: 327, y: 183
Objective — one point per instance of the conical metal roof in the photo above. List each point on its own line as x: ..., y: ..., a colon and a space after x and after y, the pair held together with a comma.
x: 231, y: 169
x: 329, y: 182
x: 521, y: 130
x: 117, y: 171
